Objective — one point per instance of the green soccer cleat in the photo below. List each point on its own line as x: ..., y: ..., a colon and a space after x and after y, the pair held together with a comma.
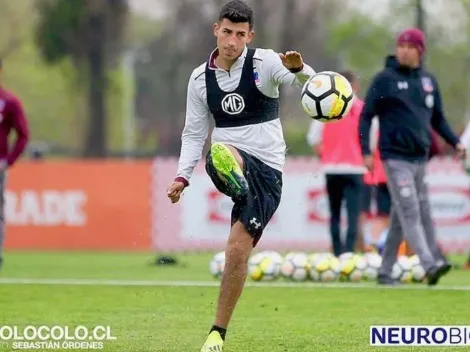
x: 228, y: 169
x: 214, y: 343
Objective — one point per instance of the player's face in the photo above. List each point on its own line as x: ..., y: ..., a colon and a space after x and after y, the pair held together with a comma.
x: 407, y: 55
x: 232, y: 38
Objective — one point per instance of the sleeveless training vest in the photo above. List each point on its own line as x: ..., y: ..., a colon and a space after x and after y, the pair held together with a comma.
x: 246, y: 105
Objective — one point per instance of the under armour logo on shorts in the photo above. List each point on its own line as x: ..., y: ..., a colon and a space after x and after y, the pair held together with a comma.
x: 255, y: 224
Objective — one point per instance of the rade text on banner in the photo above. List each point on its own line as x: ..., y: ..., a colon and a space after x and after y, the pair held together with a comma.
x: 78, y: 205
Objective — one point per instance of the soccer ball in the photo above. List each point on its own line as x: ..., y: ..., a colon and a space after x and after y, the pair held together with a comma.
x: 402, y: 269
x: 373, y: 262
x: 275, y: 256
x: 217, y: 264
x: 295, y: 267
x: 417, y: 271
x: 352, y: 269
x: 292, y: 255
x: 324, y: 269
x: 327, y: 96
x: 346, y: 256
x: 316, y: 256
x: 263, y: 266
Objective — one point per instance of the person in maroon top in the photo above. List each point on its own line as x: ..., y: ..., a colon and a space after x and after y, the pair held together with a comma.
x: 12, y: 118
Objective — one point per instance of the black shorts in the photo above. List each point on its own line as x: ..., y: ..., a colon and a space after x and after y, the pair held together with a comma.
x: 265, y: 189
x: 382, y: 198
x: 366, y: 199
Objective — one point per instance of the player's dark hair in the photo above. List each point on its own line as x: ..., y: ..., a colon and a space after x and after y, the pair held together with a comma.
x: 349, y: 75
x: 237, y: 11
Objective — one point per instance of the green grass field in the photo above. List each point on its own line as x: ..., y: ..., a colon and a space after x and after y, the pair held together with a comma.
x: 152, y: 308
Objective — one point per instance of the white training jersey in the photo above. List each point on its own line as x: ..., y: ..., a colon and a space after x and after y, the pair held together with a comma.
x: 265, y: 141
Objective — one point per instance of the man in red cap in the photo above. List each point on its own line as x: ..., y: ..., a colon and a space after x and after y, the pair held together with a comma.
x: 407, y: 101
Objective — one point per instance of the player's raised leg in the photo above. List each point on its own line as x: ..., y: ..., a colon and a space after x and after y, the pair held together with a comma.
x: 250, y: 215
x: 225, y: 163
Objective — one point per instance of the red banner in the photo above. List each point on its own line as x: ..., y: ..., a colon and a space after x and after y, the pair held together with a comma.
x: 78, y: 205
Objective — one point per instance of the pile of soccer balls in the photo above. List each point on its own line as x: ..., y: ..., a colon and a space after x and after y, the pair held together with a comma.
x: 321, y: 267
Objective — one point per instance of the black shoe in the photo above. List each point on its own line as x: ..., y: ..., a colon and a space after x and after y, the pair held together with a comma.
x: 436, y: 272
x: 387, y: 280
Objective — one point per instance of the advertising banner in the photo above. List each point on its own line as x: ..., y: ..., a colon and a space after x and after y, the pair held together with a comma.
x: 78, y: 205
x: 201, y: 220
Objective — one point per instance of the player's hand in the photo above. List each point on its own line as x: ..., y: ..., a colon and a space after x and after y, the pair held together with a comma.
x: 369, y: 162
x: 292, y: 60
x: 174, y: 191
x: 461, y: 151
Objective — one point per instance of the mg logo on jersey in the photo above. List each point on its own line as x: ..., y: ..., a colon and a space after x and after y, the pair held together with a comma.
x: 233, y: 104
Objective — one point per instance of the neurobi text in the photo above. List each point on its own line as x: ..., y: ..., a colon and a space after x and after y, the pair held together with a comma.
x: 424, y: 335
x: 44, y: 337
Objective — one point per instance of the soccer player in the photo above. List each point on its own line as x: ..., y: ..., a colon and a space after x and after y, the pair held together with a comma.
x: 12, y: 117
x: 407, y: 101
x: 239, y: 87
x: 344, y: 169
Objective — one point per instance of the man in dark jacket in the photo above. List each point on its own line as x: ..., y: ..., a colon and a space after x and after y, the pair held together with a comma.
x: 407, y: 101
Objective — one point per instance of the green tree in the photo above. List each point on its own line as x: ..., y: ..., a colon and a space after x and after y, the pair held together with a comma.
x: 362, y: 45
x: 91, y: 34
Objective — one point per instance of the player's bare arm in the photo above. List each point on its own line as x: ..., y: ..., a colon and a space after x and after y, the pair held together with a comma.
x: 194, y: 136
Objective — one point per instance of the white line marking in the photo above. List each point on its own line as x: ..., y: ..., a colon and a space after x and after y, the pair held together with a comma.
x: 276, y: 284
